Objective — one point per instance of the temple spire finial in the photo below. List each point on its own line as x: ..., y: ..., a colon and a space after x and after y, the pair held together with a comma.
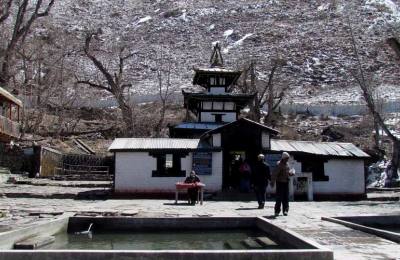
x: 216, y: 57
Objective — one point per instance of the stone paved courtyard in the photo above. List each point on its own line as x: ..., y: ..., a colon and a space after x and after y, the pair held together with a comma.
x: 304, y: 217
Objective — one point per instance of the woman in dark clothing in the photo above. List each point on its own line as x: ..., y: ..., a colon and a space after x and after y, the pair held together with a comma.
x: 192, y: 192
x: 245, y: 176
x: 261, y: 175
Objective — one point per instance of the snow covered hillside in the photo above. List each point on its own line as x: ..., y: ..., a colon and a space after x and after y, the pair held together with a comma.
x: 312, y: 36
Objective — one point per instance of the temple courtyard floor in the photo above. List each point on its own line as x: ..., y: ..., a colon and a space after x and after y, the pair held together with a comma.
x: 28, y: 204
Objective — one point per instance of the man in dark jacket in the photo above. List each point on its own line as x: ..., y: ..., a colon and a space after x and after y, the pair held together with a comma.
x: 192, y: 192
x: 261, y: 175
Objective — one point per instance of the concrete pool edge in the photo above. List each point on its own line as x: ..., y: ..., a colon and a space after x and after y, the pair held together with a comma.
x: 300, y: 254
x: 309, y: 249
x: 78, y: 223
x: 395, y: 237
x: 7, y: 239
x: 283, y: 234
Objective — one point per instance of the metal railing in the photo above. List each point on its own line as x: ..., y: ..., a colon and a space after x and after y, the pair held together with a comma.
x: 9, y: 127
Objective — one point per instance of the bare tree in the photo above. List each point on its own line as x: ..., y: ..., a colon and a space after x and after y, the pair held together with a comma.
x: 5, y: 6
x: 163, y: 71
x: 360, y: 77
x: 46, y: 82
x: 63, y: 101
x: 37, y: 84
x: 112, y: 81
x: 24, y: 18
x: 267, y: 92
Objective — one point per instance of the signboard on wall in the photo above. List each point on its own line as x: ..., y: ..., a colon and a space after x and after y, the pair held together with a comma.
x: 202, y: 163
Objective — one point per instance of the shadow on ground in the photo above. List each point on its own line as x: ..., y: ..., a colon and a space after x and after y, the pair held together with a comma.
x: 179, y: 204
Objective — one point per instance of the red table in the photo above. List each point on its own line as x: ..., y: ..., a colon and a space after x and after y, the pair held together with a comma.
x: 179, y: 186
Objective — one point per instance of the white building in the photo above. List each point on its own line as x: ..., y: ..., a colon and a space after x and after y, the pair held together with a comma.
x: 338, y: 169
x: 154, y: 165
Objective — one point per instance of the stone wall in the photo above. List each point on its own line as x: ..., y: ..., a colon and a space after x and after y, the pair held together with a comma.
x: 133, y: 173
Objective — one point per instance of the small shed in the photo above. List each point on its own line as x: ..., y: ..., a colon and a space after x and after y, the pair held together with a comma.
x: 338, y: 169
x: 154, y: 165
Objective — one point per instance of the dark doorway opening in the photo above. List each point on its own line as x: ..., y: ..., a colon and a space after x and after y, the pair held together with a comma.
x: 239, y: 142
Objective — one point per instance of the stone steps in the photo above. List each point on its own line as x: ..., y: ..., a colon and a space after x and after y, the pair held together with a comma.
x: 234, y: 245
x: 252, y: 243
x: 4, y: 174
x: 267, y: 242
x: 34, y: 242
x: 75, y: 184
x: 83, y: 177
x: 4, y: 170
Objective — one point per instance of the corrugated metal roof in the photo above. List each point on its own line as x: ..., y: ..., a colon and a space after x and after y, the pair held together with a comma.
x: 239, y: 121
x: 318, y: 148
x: 153, y: 144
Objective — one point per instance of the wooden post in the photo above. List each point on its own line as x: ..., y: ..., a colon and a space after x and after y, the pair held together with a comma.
x: 10, y: 113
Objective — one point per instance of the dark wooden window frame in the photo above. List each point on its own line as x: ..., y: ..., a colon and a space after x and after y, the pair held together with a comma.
x: 313, y: 164
x: 218, y: 118
x: 162, y: 171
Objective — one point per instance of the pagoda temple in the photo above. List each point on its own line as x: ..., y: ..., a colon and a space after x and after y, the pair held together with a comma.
x: 216, y: 105
x: 215, y: 140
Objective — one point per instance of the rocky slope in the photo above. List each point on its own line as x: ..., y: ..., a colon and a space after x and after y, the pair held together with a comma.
x: 312, y: 36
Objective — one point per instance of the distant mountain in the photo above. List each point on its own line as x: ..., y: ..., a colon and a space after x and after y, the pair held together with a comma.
x: 313, y: 36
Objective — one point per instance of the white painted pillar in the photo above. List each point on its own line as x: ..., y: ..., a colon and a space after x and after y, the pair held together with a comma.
x: 310, y: 192
x: 291, y: 188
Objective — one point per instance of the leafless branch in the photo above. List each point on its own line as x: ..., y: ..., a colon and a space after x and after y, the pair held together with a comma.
x: 94, y: 85
x: 22, y: 25
x: 5, y: 13
x: 362, y: 82
x: 97, y: 62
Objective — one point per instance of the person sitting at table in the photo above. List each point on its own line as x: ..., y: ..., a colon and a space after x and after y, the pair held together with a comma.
x: 192, y: 192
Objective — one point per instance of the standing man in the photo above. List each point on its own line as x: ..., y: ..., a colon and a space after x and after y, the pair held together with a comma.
x: 261, y: 176
x: 281, y: 176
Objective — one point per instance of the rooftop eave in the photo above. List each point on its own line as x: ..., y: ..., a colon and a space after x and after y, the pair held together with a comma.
x: 203, y: 96
x: 215, y: 70
x: 10, y: 97
x: 272, y: 131
x: 328, y: 156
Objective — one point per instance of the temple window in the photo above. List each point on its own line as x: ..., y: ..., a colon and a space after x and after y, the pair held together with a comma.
x: 218, y: 105
x: 168, y: 165
x: 207, y: 105
x: 222, y: 81
x: 229, y: 106
x: 213, y: 81
x: 316, y: 167
x: 218, y: 118
x: 169, y: 161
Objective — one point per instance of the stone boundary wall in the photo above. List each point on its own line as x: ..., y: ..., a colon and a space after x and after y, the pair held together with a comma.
x: 336, y: 109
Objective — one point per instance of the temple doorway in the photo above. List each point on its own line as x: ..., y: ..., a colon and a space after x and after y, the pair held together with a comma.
x: 238, y: 143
